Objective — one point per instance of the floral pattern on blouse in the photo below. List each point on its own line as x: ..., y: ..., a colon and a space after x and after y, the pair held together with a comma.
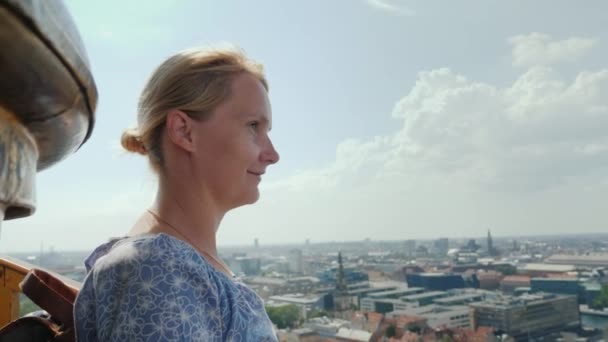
x: 159, y: 288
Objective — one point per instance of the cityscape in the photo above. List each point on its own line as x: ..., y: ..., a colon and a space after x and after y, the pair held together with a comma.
x: 543, y: 288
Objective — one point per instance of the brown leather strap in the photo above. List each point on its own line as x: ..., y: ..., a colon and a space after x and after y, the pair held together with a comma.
x: 28, y: 329
x: 52, y: 295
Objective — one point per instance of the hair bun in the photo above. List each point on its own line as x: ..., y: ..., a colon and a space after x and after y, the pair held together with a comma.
x: 131, y: 142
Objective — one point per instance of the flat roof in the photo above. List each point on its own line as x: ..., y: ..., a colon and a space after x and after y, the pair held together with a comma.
x: 354, y: 335
x: 424, y: 295
x: 429, y: 310
x: 370, y: 289
x: 521, y: 301
x: 556, y: 280
x: 383, y: 300
x: 296, y: 299
x: 458, y: 298
x: 547, y: 267
x: 396, y: 292
x: 597, y: 259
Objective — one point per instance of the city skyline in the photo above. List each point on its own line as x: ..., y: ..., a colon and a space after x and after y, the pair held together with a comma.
x: 427, y: 121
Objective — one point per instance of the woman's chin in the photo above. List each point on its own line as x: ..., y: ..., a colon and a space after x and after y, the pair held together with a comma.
x: 249, y: 198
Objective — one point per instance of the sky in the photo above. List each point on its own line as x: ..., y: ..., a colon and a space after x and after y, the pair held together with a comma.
x: 394, y: 119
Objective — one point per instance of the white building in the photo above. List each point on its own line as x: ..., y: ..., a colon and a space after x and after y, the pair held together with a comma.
x: 438, y: 316
x: 296, y: 264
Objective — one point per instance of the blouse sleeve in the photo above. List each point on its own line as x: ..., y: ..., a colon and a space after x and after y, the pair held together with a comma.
x: 149, y: 293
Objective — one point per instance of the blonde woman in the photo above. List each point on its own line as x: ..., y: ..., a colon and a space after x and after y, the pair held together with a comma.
x: 203, y: 123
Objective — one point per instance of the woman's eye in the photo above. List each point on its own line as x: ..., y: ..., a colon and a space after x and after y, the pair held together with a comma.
x: 254, y: 124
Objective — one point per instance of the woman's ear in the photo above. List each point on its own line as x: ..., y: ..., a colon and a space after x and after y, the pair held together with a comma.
x: 180, y: 129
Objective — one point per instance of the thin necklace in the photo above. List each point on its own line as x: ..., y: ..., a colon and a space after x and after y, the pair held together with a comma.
x: 217, y: 261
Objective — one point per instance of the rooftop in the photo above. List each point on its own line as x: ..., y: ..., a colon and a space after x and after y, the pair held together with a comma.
x: 424, y: 295
x: 353, y: 335
x: 397, y: 292
x: 462, y: 297
x: 428, y: 311
x: 504, y: 302
x: 595, y: 259
x: 371, y: 290
x: 296, y: 298
x: 547, y: 268
x: 517, y: 278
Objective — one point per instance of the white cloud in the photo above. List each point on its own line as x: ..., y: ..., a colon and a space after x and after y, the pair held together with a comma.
x: 392, y: 6
x: 531, y: 135
x: 528, y: 157
x: 540, y: 49
x: 531, y: 156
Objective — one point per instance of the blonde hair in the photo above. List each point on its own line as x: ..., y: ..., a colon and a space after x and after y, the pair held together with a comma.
x: 194, y: 81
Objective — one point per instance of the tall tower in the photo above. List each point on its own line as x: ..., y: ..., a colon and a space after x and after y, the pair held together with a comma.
x: 490, y: 244
x: 340, y: 279
x: 340, y: 294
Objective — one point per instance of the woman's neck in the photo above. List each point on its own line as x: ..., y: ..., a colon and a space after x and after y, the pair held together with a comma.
x: 186, y: 215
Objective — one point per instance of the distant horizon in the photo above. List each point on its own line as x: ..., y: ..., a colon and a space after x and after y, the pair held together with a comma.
x: 290, y: 244
x: 431, y: 119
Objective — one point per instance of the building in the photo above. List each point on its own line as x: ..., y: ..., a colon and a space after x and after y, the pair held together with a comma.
x: 397, y: 293
x: 326, y: 327
x: 441, y: 246
x: 439, y: 316
x: 296, y: 264
x: 490, y: 244
x: 425, y: 298
x: 305, y: 303
x: 528, y: 316
x: 347, y: 334
x: 267, y: 286
x: 351, y: 275
x: 489, y: 280
x: 250, y: 266
x: 460, y: 299
x: 559, y: 286
x: 341, y: 298
x: 541, y: 270
x: 596, y: 260
x: 435, y: 281
x: 510, y: 283
x: 383, y: 305
x: 410, y: 247
x: 359, y: 293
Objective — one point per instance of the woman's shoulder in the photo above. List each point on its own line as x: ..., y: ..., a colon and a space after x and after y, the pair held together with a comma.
x: 145, y: 251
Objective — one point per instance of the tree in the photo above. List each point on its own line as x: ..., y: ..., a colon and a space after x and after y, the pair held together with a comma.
x: 285, y: 316
x: 506, y: 269
x: 601, y: 301
x: 414, y: 328
x: 391, y: 331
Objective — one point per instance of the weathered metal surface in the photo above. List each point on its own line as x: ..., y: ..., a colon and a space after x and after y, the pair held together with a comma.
x: 18, y: 157
x: 47, y: 96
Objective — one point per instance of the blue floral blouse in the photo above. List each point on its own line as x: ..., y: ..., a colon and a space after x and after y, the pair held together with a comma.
x: 159, y: 288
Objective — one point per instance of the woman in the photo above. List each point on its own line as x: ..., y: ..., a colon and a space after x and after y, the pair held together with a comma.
x: 203, y: 122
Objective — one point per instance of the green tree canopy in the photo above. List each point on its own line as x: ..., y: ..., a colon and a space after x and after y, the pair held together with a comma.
x: 506, y: 269
x: 285, y: 316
